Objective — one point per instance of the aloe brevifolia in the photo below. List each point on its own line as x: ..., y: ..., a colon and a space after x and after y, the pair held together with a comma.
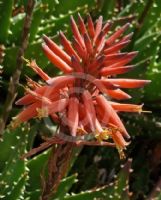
x: 80, y: 100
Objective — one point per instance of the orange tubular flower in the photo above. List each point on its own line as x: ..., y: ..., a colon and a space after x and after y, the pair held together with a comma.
x: 81, y: 100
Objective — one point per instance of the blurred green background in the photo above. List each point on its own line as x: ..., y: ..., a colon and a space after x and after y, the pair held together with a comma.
x: 96, y: 172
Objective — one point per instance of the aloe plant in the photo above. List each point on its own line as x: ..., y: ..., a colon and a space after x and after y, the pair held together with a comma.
x: 95, y: 172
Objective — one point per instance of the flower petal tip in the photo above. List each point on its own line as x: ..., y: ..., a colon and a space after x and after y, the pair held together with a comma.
x: 45, y: 38
x: 126, y: 26
x: 18, y: 102
x: 148, y: 81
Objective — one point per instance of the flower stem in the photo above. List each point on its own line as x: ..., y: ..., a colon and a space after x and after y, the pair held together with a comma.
x: 57, y: 167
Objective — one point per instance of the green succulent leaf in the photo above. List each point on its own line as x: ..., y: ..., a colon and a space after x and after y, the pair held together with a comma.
x: 5, y: 19
x: 117, y: 190
x: 13, y: 168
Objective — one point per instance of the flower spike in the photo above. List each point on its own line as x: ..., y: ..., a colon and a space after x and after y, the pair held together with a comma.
x: 82, y: 99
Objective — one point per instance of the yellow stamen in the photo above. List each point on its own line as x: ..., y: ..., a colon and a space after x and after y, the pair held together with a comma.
x: 121, y: 153
x: 32, y: 84
x: 145, y: 111
x: 81, y: 131
x: 26, y: 60
x: 14, y: 123
x: 104, y: 135
x: 42, y: 112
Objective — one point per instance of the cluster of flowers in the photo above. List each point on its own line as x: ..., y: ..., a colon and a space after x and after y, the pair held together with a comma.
x: 81, y: 99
